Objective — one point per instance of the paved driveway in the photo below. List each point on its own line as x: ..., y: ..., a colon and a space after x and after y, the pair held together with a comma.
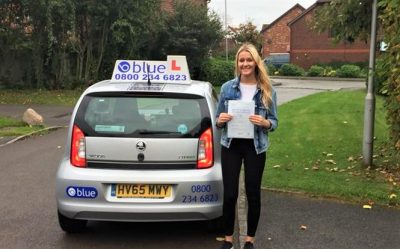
x: 290, y: 89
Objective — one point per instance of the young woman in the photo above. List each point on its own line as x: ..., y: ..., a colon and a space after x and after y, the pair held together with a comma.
x: 251, y: 84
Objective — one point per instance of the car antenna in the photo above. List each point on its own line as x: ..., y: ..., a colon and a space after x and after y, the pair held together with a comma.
x: 148, y: 77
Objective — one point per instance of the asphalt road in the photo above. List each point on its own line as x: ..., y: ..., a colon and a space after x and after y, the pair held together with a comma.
x: 28, y: 214
x: 28, y: 208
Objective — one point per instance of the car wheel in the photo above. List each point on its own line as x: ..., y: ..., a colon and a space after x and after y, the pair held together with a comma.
x: 71, y: 225
x: 215, y: 225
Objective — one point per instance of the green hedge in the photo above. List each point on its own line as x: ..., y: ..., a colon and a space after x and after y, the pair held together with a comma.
x: 349, y: 71
x: 316, y: 71
x: 217, y: 71
x: 291, y: 70
x: 271, y: 69
x: 381, y: 76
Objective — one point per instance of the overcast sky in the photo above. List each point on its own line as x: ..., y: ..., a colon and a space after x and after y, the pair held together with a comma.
x: 259, y: 12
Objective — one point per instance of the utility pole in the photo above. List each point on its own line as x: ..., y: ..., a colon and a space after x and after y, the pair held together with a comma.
x: 369, y: 112
x: 226, y: 33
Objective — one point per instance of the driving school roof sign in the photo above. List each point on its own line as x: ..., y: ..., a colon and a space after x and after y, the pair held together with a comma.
x: 174, y: 70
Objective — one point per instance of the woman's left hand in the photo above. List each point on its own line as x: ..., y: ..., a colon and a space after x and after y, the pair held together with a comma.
x: 259, y: 120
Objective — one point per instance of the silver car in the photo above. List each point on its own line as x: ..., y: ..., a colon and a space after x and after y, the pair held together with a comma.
x: 141, y: 152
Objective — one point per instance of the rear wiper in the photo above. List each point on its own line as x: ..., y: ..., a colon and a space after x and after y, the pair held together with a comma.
x: 157, y: 132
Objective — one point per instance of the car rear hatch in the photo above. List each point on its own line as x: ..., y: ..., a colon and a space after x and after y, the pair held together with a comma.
x: 120, y: 130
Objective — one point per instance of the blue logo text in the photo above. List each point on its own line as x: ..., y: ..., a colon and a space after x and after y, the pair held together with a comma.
x: 81, y: 192
x: 124, y: 66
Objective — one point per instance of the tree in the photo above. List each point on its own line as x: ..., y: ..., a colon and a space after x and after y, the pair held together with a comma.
x: 57, y: 44
x: 33, y: 38
x: 247, y: 32
x: 13, y: 42
x: 391, y: 26
x: 191, y: 31
x: 109, y: 30
x: 346, y: 20
x: 67, y: 43
x: 49, y: 39
x: 351, y: 19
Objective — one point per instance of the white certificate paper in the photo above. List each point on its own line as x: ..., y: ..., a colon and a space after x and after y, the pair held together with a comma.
x: 240, y: 125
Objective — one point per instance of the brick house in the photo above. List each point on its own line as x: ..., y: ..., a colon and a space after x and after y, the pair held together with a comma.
x: 276, y: 35
x: 308, y: 47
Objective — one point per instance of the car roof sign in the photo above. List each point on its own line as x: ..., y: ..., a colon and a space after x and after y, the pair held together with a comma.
x: 174, y: 70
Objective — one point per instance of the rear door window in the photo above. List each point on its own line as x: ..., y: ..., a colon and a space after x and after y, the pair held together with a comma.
x: 143, y: 116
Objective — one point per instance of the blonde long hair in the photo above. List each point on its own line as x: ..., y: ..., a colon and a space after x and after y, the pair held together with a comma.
x: 261, y: 73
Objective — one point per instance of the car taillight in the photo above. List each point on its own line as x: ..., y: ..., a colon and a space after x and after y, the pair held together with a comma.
x: 205, y: 157
x: 78, y: 148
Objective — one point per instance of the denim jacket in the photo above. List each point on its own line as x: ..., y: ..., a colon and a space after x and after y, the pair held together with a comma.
x: 231, y: 91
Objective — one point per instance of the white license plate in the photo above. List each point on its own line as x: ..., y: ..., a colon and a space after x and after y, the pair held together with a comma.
x: 157, y: 191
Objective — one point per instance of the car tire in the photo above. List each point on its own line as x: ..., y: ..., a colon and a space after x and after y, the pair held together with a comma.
x: 215, y: 225
x: 71, y: 225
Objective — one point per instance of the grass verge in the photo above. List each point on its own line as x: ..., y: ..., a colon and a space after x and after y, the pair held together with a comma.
x: 317, y: 150
x: 61, y: 97
x: 13, y: 127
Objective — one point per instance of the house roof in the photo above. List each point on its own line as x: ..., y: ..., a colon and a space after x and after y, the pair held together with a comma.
x: 267, y: 26
x: 317, y: 3
x: 264, y: 26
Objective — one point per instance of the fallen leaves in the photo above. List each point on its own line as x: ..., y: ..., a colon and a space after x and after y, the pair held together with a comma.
x: 303, y: 227
x: 315, y: 168
x: 369, y: 204
x: 330, y: 161
x: 348, y: 172
x: 335, y: 169
x: 393, y: 199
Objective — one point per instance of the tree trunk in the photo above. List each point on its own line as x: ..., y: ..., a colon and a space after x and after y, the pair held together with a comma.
x: 103, y: 42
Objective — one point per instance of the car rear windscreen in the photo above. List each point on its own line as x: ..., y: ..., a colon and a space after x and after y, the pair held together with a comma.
x: 143, y: 116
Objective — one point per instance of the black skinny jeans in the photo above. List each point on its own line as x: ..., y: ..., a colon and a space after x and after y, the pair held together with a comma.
x: 242, y: 150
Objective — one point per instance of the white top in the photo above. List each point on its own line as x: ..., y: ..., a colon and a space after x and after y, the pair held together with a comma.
x: 248, y: 91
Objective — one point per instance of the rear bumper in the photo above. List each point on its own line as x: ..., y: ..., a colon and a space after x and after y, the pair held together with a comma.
x: 135, y: 214
x: 185, y: 204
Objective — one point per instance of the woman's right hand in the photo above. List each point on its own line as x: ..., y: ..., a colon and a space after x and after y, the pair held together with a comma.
x: 224, y: 118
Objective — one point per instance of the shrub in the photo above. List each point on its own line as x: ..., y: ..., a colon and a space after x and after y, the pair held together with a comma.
x: 338, y: 64
x: 390, y: 27
x: 364, y: 73
x: 315, y: 71
x: 291, y: 70
x: 329, y: 72
x: 217, y: 71
x: 349, y: 71
x: 271, y: 69
x: 334, y: 64
x: 381, y: 76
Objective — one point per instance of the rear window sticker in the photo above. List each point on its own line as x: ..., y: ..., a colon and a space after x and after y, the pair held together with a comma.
x: 109, y: 128
x: 182, y: 128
